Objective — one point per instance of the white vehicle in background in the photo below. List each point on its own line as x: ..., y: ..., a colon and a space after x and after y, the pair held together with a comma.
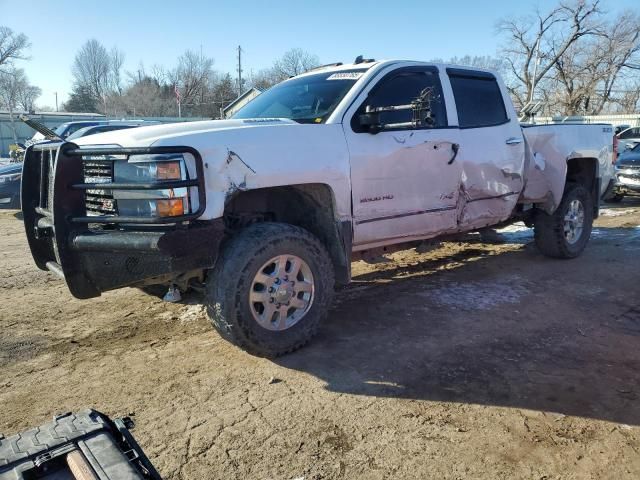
x: 266, y: 211
x: 68, y: 129
x: 628, y: 138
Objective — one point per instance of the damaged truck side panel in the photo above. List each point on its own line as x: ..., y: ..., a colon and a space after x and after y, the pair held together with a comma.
x: 551, y: 148
x: 264, y: 211
x: 247, y: 158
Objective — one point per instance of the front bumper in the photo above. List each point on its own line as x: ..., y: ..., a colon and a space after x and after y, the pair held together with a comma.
x: 94, y: 254
x: 627, y: 181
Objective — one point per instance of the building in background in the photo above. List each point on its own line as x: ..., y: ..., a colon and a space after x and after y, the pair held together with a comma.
x: 241, y: 101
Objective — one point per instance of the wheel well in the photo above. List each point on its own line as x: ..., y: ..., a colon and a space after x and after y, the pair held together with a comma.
x: 585, y: 172
x: 310, y: 206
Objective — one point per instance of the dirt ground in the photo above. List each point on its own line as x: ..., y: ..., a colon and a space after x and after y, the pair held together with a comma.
x: 475, y: 360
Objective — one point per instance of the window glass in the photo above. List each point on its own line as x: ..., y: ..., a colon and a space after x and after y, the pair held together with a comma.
x: 404, y: 88
x: 75, y: 127
x: 630, y: 133
x: 308, y: 99
x: 478, y: 101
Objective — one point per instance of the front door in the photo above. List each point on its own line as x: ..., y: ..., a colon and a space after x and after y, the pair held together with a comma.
x: 405, y: 179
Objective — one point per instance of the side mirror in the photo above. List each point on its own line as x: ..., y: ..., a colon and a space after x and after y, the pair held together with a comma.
x: 370, y: 121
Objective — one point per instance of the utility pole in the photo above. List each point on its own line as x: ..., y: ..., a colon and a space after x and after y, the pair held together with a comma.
x: 239, y: 70
x: 56, y: 100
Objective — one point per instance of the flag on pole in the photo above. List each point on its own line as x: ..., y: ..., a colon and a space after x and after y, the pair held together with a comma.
x: 175, y: 89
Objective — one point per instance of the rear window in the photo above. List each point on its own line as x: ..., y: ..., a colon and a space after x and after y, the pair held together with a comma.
x: 478, y: 99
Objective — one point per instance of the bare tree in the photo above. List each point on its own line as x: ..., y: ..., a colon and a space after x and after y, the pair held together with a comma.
x: 192, y: 75
x: 264, y: 79
x: 116, y: 60
x: 27, y: 97
x: 12, y: 45
x: 481, y: 61
x: 294, y: 62
x: 589, y: 73
x: 98, y: 72
x: 146, y: 98
x: 14, y: 89
x: 535, y: 44
x: 91, y: 69
x: 628, y: 100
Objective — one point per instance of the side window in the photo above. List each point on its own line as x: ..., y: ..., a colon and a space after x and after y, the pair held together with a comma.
x: 478, y: 99
x: 404, y: 88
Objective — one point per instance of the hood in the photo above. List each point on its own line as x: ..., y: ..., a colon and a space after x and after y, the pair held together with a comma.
x: 11, y: 168
x: 146, y: 136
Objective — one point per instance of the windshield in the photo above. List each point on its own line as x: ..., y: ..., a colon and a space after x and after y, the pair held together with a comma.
x: 308, y: 99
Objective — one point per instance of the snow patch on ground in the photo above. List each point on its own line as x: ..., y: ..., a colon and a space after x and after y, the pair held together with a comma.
x: 628, y: 238
x: 616, y: 212
x: 478, y: 295
x: 191, y: 313
x: 186, y: 314
x: 516, y: 233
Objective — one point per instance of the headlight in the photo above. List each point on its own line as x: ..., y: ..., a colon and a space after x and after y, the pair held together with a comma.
x: 11, y: 177
x: 150, y: 169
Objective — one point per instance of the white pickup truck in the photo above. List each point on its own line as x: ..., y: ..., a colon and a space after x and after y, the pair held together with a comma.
x: 266, y: 211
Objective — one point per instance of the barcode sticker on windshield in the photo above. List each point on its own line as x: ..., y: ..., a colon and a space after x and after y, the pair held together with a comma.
x: 345, y: 76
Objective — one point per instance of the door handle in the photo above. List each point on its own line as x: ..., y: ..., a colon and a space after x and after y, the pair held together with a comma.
x: 514, y: 141
x: 454, y: 149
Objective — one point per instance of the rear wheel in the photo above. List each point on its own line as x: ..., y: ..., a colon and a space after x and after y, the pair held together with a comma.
x: 270, y: 288
x: 565, y: 233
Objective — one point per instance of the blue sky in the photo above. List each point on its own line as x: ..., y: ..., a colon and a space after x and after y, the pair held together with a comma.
x: 157, y: 32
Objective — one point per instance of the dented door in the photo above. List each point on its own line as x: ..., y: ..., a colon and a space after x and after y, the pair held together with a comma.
x: 403, y: 184
x: 491, y: 152
x: 404, y: 181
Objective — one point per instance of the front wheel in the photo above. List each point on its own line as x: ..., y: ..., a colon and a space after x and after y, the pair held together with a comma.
x: 565, y: 233
x: 270, y: 288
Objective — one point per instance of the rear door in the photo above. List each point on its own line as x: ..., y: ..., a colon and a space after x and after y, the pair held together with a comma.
x: 492, y: 149
x: 404, y: 184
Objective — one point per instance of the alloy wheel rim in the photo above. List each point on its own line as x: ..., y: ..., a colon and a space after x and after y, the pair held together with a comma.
x: 282, y: 292
x: 574, y: 222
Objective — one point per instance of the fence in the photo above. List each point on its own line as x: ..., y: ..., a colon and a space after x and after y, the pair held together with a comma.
x: 633, y: 120
x: 52, y: 120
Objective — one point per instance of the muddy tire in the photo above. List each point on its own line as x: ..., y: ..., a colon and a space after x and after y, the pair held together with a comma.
x: 565, y: 233
x: 270, y: 289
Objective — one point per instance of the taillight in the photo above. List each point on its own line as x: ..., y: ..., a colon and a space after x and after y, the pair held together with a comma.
x: 614, y: 157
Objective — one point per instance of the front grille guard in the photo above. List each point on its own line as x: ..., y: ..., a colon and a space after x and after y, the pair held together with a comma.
x: 54, y: 206
x: 69, y: 156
